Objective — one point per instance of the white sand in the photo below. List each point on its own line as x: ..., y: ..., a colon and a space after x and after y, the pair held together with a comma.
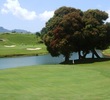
x: 9, y: 46
x: 33, y: 48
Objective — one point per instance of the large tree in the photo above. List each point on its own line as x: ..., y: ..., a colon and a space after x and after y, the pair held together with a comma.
x: 71, y: 30
x: 61, y: 29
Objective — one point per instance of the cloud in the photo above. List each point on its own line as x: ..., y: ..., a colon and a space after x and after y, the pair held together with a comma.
x: 4, y: 11
x: 108, y: 20
x: 46, y: 15
x: 14, y: 7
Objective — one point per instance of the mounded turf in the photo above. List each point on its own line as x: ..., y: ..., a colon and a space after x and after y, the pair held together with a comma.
x: 21, y: 42
x: 18, y: 39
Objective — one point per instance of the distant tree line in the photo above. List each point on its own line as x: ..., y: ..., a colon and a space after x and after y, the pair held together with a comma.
x: 72, y: 30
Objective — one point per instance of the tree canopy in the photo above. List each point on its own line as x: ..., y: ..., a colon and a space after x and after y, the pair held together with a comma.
x: 94, y: 31
x: 72, y: 30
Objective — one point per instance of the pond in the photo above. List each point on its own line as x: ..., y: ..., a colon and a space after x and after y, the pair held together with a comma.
x: 34, y: 60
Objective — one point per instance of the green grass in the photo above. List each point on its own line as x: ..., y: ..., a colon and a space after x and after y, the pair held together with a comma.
x: 107, y: 51
x: 56, y: 82
x: 18, y: 39
x: 22, y: 41
x: 21, y: 50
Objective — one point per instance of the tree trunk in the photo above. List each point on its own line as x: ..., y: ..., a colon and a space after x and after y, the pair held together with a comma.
x: 94, y: 53
x: 79, y: 53
x: 84, y: 54
x: 67, y: 58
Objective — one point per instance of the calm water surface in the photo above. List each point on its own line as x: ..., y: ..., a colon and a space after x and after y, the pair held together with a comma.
x: 34, y: 60
x: 29, y: 60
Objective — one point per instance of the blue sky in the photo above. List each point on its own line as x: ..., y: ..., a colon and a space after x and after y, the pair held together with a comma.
x: 32, y: 15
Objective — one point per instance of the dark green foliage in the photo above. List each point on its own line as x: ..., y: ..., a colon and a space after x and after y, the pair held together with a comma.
x: 61, y: 29
x: 95, y: 17
x: 66, y: 10
x: 94, y: 31
x: 108, y: 32
x: 71, y: 30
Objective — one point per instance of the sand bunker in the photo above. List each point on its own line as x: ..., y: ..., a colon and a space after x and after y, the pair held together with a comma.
x: 33, y: 48
x: 9, y: 46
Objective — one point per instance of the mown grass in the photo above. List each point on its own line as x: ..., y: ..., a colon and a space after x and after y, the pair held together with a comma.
x: 18, y: 39
x: 21, y: 42
x: 107, y: 52
x: 21, y: 50
x: 57, y: 82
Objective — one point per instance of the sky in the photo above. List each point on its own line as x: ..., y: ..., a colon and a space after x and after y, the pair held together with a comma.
x: 31, y: 15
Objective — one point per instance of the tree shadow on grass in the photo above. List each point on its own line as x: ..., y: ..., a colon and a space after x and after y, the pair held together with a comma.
x: 91, y: 60
x: 86, y: 61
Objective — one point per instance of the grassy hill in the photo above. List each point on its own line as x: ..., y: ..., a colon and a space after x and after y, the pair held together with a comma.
x: 21, y: 42
x: 18, y: 39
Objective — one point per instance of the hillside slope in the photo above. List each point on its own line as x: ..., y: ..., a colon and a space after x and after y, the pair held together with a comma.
x: 18, y: 45
x: 18, y: 39
x: 2, y: 29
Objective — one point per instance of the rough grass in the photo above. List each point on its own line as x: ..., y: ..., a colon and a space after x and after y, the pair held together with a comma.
x: 57, y: 82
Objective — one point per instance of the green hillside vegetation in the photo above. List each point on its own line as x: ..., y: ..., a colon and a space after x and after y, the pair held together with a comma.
x: 21, y: 43
x: 18, y: 39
